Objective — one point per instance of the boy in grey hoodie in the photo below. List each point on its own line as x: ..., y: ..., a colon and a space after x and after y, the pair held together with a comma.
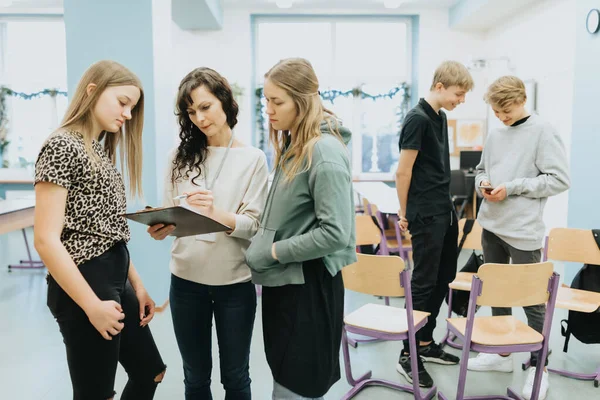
x: 522, y: 164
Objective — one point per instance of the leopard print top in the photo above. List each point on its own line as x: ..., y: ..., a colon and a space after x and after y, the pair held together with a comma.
x: 96, y: 198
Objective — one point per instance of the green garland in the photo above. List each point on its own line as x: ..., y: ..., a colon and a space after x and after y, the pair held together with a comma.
x: 331, y: 95
x: 4, y: 93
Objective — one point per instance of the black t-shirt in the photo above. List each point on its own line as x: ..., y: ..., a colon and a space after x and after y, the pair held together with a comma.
x: 427, y: 131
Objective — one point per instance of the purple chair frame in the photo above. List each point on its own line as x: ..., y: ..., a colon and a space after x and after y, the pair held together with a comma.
x: 383, y: 247
x: 595, y: 376
x: 476, y: 287
x: 366, y: 379
x: 449, y: 337
x: 30, y: 263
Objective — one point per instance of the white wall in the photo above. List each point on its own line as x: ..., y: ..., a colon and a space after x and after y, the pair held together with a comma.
x: 229, y: 51
x: 165, y: 87
x: 541, y: 45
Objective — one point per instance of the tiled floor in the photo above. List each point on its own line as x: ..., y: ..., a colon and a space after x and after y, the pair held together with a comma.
x: 33, y: 366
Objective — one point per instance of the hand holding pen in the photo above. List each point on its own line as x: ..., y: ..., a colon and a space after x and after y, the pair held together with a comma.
x: 201, y: 200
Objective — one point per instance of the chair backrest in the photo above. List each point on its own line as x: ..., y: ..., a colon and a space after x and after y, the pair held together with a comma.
x: 367, y: 232
x: 514, y: 285
x: 375, y: 275
x: 473, y: 238
x: 458, y: 186
x: 575, y: 245
x: 369, y: 207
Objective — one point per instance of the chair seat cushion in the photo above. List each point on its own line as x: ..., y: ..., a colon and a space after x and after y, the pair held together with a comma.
x: 498, y: 331
x: 462, y: 281
x: 382, y: 318
x: 577, y: 300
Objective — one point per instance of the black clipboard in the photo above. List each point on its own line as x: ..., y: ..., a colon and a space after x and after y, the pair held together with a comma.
x: 186, y: 221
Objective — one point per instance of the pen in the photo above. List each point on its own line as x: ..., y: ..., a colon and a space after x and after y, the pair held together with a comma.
x: 181, y: 196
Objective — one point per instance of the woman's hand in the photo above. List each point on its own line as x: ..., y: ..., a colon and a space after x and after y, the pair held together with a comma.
x: 160, y: 231
x: 147, y: 306
x: 202, y: 201
x: 106, y: 317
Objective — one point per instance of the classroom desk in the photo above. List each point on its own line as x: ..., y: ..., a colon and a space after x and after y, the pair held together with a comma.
x: 18, y: 214
x: 18, y: 181
x: 380, y: 194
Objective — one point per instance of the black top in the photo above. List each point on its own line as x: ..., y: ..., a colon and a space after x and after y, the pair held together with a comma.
x: 427, y: 131
x: 521, y: 121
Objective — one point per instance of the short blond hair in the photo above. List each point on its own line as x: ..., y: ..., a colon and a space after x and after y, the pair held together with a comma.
x: 453, y: 73
x: 506, y: 91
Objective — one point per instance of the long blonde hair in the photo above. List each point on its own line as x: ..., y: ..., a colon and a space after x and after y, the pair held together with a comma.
x: 79, y: 117
x: 297, y: 77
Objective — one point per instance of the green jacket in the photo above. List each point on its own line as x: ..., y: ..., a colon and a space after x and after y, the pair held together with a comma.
x: 309, y: 217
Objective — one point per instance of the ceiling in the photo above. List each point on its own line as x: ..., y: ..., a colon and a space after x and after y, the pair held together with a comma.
x: 262, y: 4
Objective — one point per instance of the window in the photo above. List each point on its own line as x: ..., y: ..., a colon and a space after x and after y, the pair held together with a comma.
x: 31, y: 65
x: 346, y: 53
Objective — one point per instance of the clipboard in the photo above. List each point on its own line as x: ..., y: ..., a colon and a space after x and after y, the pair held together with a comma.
x: 186, y: 221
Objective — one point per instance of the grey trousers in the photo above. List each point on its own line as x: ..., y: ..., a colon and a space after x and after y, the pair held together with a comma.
x: 496, y: 250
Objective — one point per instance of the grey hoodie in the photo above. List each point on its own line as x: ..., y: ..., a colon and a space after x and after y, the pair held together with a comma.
x: 530, y: 160
x: 309, y: 217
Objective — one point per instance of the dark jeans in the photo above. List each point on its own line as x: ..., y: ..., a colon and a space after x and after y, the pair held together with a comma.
x: 234, y: 307
x: 92, y: 359
x: 434, y: 244
x: 496, y: 250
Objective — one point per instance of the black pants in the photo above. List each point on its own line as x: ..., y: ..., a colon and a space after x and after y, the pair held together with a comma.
x: 92, y: 359
x: 192, y: 308
x: 434, y: 243
x: 497, y: 251
x: 302, y: 329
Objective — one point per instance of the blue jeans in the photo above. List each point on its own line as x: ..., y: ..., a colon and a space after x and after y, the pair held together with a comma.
x: 192, y: 308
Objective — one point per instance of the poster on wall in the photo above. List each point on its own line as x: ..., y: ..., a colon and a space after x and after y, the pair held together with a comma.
x: 469, y: 133
x: 452, y: 137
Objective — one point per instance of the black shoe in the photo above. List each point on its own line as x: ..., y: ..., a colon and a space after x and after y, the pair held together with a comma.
x: 434, y: 353
x: 403, y: 367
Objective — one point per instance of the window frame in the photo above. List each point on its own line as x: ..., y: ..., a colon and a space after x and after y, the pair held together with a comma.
x: 411, y: 22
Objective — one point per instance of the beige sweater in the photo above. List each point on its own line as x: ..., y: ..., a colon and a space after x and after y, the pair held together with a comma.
x: 241, y: 188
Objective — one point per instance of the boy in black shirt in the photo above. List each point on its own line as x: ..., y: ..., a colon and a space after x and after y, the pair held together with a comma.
x: 423, y: 186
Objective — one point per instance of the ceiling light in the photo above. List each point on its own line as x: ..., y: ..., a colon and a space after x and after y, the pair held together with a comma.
x: 392, y: 3
x: 284, y: 3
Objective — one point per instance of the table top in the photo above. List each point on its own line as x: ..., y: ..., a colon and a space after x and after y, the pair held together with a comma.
x: 16, y: 176
x: 380, y: 194
x: 11, y: 206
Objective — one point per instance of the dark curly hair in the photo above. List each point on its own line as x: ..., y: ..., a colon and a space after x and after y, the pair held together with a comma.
x: 193, y: 149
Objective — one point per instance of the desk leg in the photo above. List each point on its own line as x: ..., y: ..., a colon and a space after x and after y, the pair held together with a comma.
x: 29, y: 263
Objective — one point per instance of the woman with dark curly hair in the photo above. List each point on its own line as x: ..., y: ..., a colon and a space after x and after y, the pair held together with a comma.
x: 227, y: 181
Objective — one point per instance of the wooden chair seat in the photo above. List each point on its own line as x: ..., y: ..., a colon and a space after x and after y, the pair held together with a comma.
x: 378, y: 317
x: 390, y: 232
x: 462, y: 281
x: 393, y: 243
x: 577, y: 300
x: 498, y: 331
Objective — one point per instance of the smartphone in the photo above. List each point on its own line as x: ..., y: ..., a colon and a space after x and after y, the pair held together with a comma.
x: 487, y: 188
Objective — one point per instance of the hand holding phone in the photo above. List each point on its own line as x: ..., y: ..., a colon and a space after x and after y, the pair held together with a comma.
x: 486, y: 186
